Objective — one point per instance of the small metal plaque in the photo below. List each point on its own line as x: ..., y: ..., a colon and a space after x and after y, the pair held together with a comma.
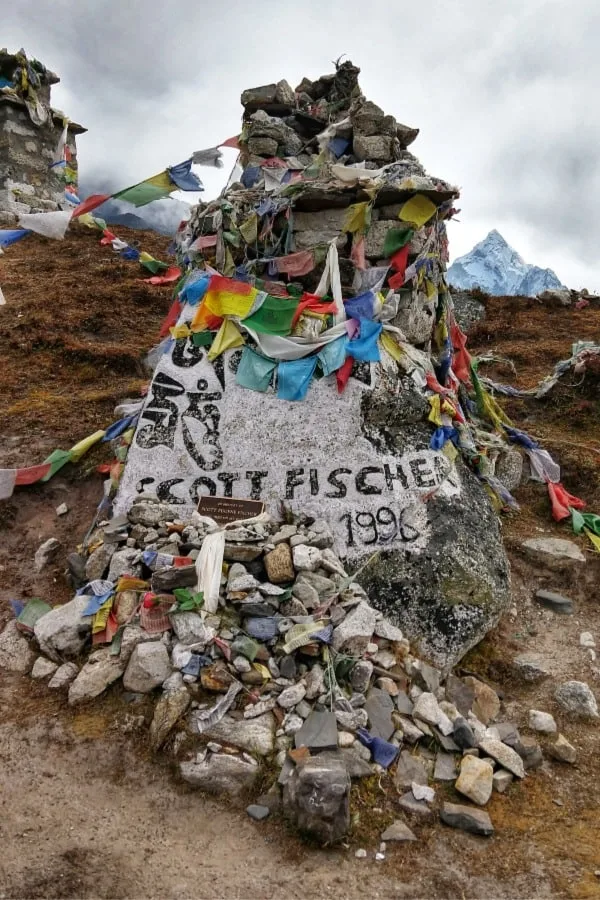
x: 229, y: 509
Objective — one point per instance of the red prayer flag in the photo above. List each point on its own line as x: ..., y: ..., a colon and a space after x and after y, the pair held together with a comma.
x: 561, y: 500
x: 343, y: 374
x: 314, y: 304
x: 32, y: 474
x: 296, y: 264
x: 232, y: 142
x: 357, y: 254
x: 172, y: 274
x: 171, y: 318
x: 107, y: 237
x: 90, y: 203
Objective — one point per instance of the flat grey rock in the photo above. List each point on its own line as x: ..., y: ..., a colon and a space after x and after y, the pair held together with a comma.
x: 318, y: 732
x: 558, y: 603
x: 467, y: 818
x: 380, y: 706
x: 398, y: 831
x: 258, y: 812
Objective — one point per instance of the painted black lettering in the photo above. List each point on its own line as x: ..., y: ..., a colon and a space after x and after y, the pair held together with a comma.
x: 162, y: 412
x: 361, y: 480
x: 292, y: 481
x: 256, y: 480
x: 314, y: 482
x: 347, y: 518
x: 141, y: 485
x: 204, y: 449
x: 366, y: 522
x: 208, y: 483
x: 340, y: 488
x: 164, y: 492
x: 186, y: 354
x: 421, y: 471
x: 391, y: 477
x: 228, y: 478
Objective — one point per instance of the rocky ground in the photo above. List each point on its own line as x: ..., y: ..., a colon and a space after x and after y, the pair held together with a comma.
x: 91, y: 813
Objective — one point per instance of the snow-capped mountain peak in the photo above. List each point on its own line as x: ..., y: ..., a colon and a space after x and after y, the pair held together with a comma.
x: 495, y: 267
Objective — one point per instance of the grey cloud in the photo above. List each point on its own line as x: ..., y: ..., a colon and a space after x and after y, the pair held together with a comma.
x: 504, y: 94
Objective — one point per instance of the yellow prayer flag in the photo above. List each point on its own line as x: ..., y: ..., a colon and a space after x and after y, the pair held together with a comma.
x: 180, y: 331
x: 593, y: 538
x: 430, y: 288
x: 228, y: 265
x: 162, y: 181
x: 101, y: 617
x: 435, y: 415
x: 230, y: 303
x: 450, y: 451
x: 144, y: 257
x: 390, y: 346
x: 357, y: 218
x: 227, y: 337
x: 249, y: 229
x: 418, y: 210
x: 83, y: 446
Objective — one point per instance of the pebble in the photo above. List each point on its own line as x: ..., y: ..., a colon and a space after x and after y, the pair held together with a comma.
x: 422, y: 792
x: 291, y: 696
x: 475, y: 779
x: 398, y: 831
x: 556, y: 602
x: 575, y: 697
x: 504, y: 755
x: 62, y: 510
x: 501, y: 780
x: 541, y: 721
x: 467, y: 818
x: 586, y: 639
x: 562, y: 750
x: 258, y: 812
x: 361, y: 854
x: 345, y: 739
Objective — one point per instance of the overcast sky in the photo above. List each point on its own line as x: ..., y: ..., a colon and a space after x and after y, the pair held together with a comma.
x: 504, y: 92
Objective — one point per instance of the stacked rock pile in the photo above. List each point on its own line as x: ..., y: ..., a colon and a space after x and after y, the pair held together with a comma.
x: 295, y: 666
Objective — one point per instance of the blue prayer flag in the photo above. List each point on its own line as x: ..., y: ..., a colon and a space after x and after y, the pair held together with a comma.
x: 294, y: 377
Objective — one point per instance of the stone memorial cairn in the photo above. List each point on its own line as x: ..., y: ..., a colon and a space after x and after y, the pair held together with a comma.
x: 294, y: 666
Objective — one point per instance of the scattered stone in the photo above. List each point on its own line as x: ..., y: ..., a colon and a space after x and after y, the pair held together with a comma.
x: 100, y: 671
x: 220, y: 773
x: 504, y: 755
x: 316, y: 797
x: 445, y: 767
x: 148, y: 667
x: 345, y: 739
x: 530, y: 752
x: 62, y: 510
x: 253, y: 735
x: 380, y: 706
x: 279, y: 564
x: 124, y: 562
x: 460, y: 694
x: 427, y: 708
x: 16, y: 653
x: 64, y: 630
x: 404, y: 703
x: 305, y: 593
x: 426, y: 676
x: 422, y: 792
x: 554, y: 553
x: 576, y: 698
x: 586, y: 639
x: 354, y: 633
x: 318, y: 732
x: 486, y: 705
x: 361, y: 675
x: 387, y: 631
x: 388, y: 685
x: 398, y: 831
x: 508, y: 733
x: 291, y: 695
x: 63, y: 676
x: 171, y: 706
x: 357, y: 766
x: 99, y: 560
x: 475, y: 779
x: 467, y: 818
x: 412, y: 734
x: 501, y: 780
x: 541, y: 721
x: 190, y: 628
x: 46, y: 553
x: 417, y: 808
x: 558, y: 603
x: 306, y: 558
x: 258, y: 812
x: 409, y: 770
x: 562, y: 750
x: 530, y: 668
x: 361, y: 853
x: 43, y: 668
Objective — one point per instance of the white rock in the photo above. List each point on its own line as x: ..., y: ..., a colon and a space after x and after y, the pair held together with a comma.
x: 428, y: 709
x: 63, y: 676
x: 576, y: 698
x: 292, y: 723
x: 504, y: 755
x: 148, y: 667
x: 173, y: 683
x: 64, y: 630
x: 16, y: 654
x: 361, y: 853
x: 475, y: 780
x: 241, y: 664
x: 306, y: 558
x: 331, y: 563
x: 501, y: 780
x: 190, y: 628
x: 387, y: 631
x: 100, y: 670
x: 422, y: 792
x: 541, y: 721
x: 125, y: 562
x: 556, y: 553
x: 43, y: 668
x: 354, y: 632
x: 62, y: 510
x: 45, y: 553
x: 345, y: 739
x: 245, y: 582
x: 292, y: 695
x: 586, y: 639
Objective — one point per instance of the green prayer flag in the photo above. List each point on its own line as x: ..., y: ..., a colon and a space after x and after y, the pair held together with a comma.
x: 274, y: 316
x: 57, y: 459
x: 203, y: 338
x: 143, y: 193
x: 395, y: 239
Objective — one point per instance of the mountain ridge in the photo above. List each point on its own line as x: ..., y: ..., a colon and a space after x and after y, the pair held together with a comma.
x: 496, y: 268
